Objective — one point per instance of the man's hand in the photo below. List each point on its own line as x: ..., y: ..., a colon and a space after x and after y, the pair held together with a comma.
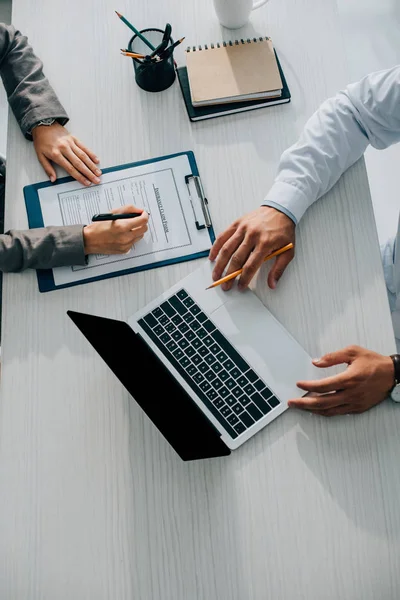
x: 248, y: 241
x: 367, y: 381
x: 55, y: 143
x: 115, y: 237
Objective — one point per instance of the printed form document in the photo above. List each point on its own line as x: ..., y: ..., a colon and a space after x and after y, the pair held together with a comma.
x: 158, y: 187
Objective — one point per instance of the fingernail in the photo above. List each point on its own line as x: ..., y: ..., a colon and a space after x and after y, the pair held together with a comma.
x: 273, y: 284
x: 98, y: 172
x: 97, y: 180
x: 316, y: 360
x: 87, y: 182
x: 96, y: 159
x: 52, y: 178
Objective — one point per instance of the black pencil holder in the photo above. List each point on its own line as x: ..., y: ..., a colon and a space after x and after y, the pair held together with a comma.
x: 152, y: 76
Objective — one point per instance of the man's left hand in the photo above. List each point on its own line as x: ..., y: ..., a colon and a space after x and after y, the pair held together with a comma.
x: 55, y: 144
x: 367, y: 381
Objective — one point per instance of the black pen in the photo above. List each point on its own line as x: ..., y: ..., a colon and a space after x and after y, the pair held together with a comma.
x: 115, y: 216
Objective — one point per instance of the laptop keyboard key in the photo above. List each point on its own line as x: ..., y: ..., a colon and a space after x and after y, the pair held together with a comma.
x: 259, y: 385
x: 224, y: 375
x: 177, y: 320
x: 239, y: 428
x: 252, y: 376
x: 232, y: 419
x: 212, y: 394
x: 183, y: 343
x: 209, y: 326
x: 201, y: 317
x: 253, y: 410
x: 182, y: 294
x: 198, y: 378
x: 273, y: 401
x: 242, y: 381
x: 196, y: 359
x: 165, y: 338
x: 188, y: 302
x: 244, y: 400
x: 218, y: 403
x: 195, y: 310
x: 190, y: 335
x: 190, y: 351
x: 185, y: 362
x: 183, y: 328
x: 157, y: 312
x: 202, y: 333
x: 237, y: 408
x: 188, y: 318
x: 203, y: 351
x: 222, y: 356
x: 230, y: 383
x: 158, y: 330
x: 170, y: 328
x: 260, y: 403
x: 164, y: 320
x: 215, y: 349
x: 246, y: 418
x: 203, y: 367
x: 208, y: 341
x: 171, y: 346
x: 191, y: 370
x: 178, y: 354
x: 205, y: 386
x: 178, y: 306
x: 228, y: 364
x: 225, y: 410
x: 217, y: 384
x: 195, y: 325
x: 210, y: 359
x: 210, y: 375
x: 168, y: 309
x: 177, y: 336
x: 216, y: 367
x: 223, y: 392
x: 196, y: 343
x: 235, y: 373
x: 230, y: 400
x: 237, y: 392
x: 248, y: 389
x: 150, y: 320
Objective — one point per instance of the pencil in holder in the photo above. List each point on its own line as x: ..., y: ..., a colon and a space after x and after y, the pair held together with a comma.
x: 152, y: 76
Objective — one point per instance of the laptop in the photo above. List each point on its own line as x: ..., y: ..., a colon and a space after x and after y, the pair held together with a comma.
x: 209, y: 368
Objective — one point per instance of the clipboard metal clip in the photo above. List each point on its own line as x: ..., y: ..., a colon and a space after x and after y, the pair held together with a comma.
x: 202, y: 200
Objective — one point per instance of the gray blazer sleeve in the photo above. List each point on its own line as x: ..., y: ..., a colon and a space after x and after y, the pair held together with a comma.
x: 29, y: 93
x: 42, y: 248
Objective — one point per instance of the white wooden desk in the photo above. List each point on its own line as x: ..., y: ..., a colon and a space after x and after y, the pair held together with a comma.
x: 94, y: 504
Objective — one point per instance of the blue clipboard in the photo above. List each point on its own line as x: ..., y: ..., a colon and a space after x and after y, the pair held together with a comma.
x: 35, y: 219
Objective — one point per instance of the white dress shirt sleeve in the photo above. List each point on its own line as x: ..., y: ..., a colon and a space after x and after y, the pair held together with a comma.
x: 335, y: 137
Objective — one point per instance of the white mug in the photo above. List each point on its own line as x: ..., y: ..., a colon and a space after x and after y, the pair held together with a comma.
x: 235, y: 13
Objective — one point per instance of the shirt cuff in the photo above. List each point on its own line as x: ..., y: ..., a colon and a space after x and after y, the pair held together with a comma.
x: 35, y: 115
x: 288, y: 199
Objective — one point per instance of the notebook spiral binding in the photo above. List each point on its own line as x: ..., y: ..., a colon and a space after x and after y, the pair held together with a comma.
x: 225, y: 44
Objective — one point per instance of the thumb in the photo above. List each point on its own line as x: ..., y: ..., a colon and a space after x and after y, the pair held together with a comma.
x: 129, y: 208
x: 48, y: 167
x: 279, y: 267
x: 346, y: 355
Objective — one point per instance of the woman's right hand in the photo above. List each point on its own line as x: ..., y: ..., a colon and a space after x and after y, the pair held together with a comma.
x: 115, y: 237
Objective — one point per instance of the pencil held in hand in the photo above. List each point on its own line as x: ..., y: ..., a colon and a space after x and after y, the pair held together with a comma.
x: 239, y: 271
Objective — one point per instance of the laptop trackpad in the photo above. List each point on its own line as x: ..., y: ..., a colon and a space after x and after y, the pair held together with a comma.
x: 279, y: 360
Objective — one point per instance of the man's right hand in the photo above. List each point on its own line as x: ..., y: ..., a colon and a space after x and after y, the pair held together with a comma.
x: 115, y: 237
x: 248, y: 241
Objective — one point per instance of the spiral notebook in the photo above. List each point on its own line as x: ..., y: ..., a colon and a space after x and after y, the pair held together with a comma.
x: 238, y: 71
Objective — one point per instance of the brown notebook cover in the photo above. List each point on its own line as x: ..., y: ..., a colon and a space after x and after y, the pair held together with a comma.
x: 233, y: 72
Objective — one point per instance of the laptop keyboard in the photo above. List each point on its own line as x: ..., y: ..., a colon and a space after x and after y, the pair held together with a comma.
x: 208, y: 362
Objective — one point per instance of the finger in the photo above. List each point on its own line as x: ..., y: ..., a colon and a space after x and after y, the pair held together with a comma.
x: 69, y: 168
x: 48, y: 167
x: 127, y: 208
x: 85, y: 158
x: 346, y: 355
x: 87, y: 150
x: 329, y: 384
x: 80, y: 165
x: 324, y: 402
x: 225, y: 254
x: 238, y: 260
x: 279, y: 267
x: 221, y: 240
x: 124, y: 225
x: 251, y: 266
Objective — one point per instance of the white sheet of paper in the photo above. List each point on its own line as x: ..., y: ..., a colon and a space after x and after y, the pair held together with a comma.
x: 159, y: 188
